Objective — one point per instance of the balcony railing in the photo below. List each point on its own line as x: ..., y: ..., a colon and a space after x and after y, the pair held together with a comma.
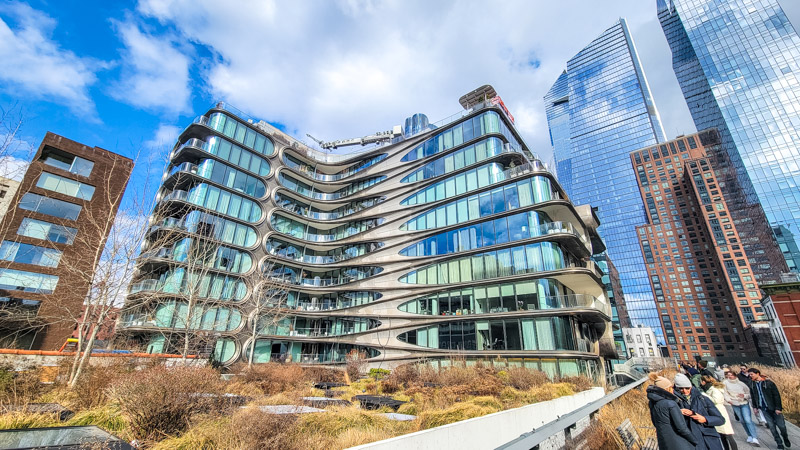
x: 177, y: 195
x: 145, y: 285
x: 312, y: 259
x: 317, y: 281
x: 305, y: 210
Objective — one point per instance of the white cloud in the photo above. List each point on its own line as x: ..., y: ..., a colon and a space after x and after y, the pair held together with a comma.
x: 164, y: 137
x: 155, y: 74
x: 12, y: 167
x: 35, y: 64
x: 352, y: 67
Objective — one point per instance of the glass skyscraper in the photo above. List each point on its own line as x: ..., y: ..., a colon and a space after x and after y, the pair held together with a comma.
x: 599, y: 110
x: 737, y: 62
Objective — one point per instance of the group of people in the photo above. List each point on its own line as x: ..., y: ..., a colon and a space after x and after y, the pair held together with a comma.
x: 689, y: 411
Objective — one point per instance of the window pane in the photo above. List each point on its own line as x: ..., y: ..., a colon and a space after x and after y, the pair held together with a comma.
x: 50, y: 206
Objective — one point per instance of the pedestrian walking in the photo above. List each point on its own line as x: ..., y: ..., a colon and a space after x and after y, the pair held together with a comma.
x: 713, y: 389
x: 767, y: 399
x: 672, y: 430
x: 701, y: 414
x: 737, y: 394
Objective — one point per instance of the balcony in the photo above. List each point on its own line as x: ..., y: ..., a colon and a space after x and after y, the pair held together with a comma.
x: 302, y: 209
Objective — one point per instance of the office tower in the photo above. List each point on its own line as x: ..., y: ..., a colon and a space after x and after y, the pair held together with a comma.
x: 737, y: 63
x: 52, y: 235
x: 599, y: 110
x: 446, y: 240
x: 704, y: 283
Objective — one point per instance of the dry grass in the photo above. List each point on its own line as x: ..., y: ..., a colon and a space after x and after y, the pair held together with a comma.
x: 159, y: 406
x: 788, y: 382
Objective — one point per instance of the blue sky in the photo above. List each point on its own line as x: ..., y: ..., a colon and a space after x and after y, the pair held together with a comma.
x: 127, y: 76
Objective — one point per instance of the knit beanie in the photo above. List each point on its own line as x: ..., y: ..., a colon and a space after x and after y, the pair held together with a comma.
x: 660, y: 381
x: 682, y: 381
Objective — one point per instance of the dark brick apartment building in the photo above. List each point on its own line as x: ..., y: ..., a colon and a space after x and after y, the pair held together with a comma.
x: 52, y: 236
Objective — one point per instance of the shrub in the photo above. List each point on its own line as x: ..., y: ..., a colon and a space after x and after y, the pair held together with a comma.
x: 20, y: 387
x: 390, y: 386
x: 256, y: 429
x: 405, y: 375
x: 355, y: 366
x: 323, y: 374
x: 92, y: 387
x: 273, y: 378
x: 377, y: 373
x: 160, y: 401
x: 579, y: 383
x: 524, y: 379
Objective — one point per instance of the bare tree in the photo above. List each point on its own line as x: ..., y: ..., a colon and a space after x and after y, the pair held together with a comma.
x: 267, y: 304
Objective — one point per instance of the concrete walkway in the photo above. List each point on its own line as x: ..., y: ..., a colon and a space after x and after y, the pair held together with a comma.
x: 764, y: 435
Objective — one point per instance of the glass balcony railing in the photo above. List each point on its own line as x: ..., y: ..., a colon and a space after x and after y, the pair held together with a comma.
x: 145, y: 286
x: 307, y: 211
x: 319, y: 281
x: 177, y: 195
x: 311, y: 172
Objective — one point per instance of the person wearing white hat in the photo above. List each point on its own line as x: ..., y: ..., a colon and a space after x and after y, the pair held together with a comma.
x: 672, y: 431
x: 702, y: 416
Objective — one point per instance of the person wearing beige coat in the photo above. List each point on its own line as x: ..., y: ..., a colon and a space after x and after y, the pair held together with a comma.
x: 713, y: 390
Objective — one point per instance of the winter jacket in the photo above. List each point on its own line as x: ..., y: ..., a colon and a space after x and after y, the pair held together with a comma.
x: 771, y: 395
x: 744, y: 378
x: 705, y: 433
x: 716, y: 396
x: 736, y: 393
x: 671, y: 428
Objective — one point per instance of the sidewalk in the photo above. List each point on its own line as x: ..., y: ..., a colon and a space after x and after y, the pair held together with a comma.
x: 764, y: 435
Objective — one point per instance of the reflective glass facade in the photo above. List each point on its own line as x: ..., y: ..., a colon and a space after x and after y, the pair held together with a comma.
x: 737, y: 63
x: 356, y: 248
x: 599, y: 110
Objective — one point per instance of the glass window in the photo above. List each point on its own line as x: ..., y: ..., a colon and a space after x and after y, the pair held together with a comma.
x: 62, y: 160
x: 27, y: 281
x: 40, y: 229
x: 49, y: 206
x: 65, y: 186
x: 29, y: 254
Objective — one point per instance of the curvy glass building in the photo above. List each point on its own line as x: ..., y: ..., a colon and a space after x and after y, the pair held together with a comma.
x: 448, y: 241
x: 599, y: 110
x: 737, y: 63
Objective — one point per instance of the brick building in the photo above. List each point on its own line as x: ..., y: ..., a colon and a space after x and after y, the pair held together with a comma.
x: 703, y: 268
x: 52, y: 237
x: 783, y: 303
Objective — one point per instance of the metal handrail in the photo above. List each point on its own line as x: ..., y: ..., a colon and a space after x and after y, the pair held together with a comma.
x: 535, y: 437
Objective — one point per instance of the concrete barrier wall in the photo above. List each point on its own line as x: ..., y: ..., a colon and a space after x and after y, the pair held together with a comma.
x: 491, y: 431
x: 29, y: 360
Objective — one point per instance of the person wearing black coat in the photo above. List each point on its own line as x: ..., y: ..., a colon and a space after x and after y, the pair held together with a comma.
x: 766, y: 397
x: 701, y: 414
x: 671, y: 429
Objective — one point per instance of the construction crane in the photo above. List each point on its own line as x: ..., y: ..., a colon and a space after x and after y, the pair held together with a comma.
x: 380, y: 136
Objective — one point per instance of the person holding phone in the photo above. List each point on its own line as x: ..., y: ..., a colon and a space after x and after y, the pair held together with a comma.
x: 672, y: 431
x: 701, y: 415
